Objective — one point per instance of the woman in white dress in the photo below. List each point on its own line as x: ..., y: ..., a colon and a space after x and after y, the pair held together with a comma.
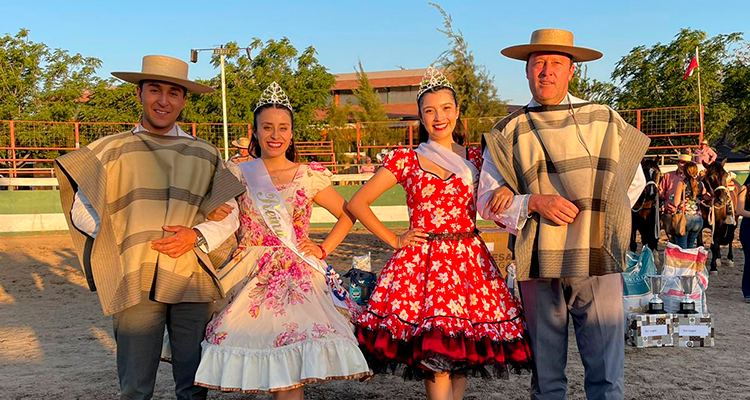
x: 289, y: 321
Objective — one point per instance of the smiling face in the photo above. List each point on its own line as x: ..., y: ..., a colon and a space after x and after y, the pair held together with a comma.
x: 274, y: 132
x: 162, y: 103
x: 549, y: 74
x: 438, y: 114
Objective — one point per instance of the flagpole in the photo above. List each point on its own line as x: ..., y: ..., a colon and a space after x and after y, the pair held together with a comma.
x: 700, y: 99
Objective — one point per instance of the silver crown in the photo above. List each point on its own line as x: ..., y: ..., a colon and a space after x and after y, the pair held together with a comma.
x: 433, y: 78
x: 274, y: 94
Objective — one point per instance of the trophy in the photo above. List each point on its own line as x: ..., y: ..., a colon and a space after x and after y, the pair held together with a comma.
x: 687, y: 305
x: 656, y: 305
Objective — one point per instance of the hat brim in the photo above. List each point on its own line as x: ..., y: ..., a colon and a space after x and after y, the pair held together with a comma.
x: 135, y: 77
x: 238, y: 145
x: 578, y: 54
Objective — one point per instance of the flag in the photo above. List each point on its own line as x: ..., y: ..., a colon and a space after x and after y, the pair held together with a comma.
x: 691, y: 68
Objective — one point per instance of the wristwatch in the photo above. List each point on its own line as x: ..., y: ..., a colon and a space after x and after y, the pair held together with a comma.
x: 199, y: 239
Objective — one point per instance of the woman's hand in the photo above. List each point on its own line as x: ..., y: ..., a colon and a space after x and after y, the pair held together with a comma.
x: 309, y: 248
x: 500, y: 199
x: 412, y: 237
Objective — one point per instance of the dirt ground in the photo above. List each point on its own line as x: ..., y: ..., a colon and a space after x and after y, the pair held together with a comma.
x: 55, y: 343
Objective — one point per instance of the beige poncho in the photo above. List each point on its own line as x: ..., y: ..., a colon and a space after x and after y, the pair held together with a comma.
x: 585, y: 153
x: 137, y: 183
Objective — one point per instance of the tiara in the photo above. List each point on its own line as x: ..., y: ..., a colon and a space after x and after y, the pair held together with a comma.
x: 274, y: 94
x: 433, y: 78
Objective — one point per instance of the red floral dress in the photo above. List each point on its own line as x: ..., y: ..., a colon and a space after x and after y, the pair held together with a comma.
x: 443, y: 305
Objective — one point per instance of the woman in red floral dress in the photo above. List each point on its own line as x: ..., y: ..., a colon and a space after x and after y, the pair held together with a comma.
x: 441, y: 309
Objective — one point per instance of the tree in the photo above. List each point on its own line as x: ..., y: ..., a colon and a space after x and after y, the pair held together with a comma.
x: 370, y: 108
x: 305, y: 81
x: 591, y: 89
x: 652, y: 76
x: 475, y: 88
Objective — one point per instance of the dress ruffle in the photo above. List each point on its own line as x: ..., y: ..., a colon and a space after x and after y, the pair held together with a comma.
x: 288, y: 367
x: 458, y: 355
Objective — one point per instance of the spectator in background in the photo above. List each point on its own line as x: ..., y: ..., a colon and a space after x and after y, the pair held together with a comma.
x: 704, y: 153
x: 368, y: 168
x: 242, y: 144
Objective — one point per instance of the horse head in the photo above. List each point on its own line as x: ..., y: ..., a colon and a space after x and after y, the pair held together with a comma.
x: 653, y: 178
x: 715, y: 181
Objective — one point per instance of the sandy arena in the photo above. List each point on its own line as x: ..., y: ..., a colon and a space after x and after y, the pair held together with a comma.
x: 55, y: 343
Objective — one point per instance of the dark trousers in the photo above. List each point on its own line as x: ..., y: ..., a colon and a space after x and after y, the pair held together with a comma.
x: 595, y: 305
x: 139, y: 333
x: 745, y: 240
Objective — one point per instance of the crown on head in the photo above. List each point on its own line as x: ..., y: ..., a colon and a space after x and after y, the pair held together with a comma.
x: 433, y: 78
x: 274, y: 94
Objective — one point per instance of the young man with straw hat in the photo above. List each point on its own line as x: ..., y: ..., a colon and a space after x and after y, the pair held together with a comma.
x: 570, y: 171
x: 137, y: 205
x: 242, y: 144
x: 704, y: 154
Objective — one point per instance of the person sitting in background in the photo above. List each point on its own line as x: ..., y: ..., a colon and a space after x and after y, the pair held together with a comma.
x: 368, y: 168
x: 243, y: 154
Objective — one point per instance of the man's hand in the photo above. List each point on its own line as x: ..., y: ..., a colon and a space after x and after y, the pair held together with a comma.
x: 500, y: 199
x: 178, y: 244
x: 220, y: 213
x: 554, y: 208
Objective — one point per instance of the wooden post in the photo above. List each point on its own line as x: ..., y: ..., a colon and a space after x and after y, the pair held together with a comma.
x: 359, y: 138
x: 13, y: 149
x: 250, y: 131
x: 195, y: 129
x: 411, y: 134
x: 638, y: 120
x: 78, y: 137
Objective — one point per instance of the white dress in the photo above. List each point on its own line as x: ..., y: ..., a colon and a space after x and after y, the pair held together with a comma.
x: 281, y: 329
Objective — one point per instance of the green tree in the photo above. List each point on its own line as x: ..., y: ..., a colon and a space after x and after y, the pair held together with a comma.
x: 303, y: 78
x: 370, y: 108
x: 652, y: 76
x: 475, y: 87
x: 591, y: 89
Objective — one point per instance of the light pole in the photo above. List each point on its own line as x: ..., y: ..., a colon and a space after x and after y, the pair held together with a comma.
x: 222, y: 52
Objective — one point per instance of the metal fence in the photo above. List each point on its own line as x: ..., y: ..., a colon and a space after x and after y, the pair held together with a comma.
x: 27, y: 148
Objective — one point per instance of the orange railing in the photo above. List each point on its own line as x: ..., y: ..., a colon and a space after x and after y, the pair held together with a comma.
x: 29, y: 147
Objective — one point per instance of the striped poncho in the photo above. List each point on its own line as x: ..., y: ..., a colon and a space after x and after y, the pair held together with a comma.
x: 138, y: 183
x: 585, y: 153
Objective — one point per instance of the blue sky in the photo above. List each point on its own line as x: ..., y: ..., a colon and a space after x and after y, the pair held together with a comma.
x: 383, y: 34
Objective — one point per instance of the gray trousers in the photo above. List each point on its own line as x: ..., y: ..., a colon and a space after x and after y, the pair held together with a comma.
x: 595, y: 305
x: 139, y: 333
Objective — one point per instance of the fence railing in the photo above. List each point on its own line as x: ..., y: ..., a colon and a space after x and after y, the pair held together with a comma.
x: 29, y: 147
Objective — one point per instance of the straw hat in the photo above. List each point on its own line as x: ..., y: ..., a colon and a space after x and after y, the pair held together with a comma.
x: 241, y: 143
x: 704, y: 141
x: 557, y: 40
x: 166, y: 69
x: 683, y: 157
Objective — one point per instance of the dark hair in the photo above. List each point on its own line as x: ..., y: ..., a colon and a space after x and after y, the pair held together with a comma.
x: 691, y: 178
x: 459, y: 133
x: 184, y: 89
x: 254, y: 148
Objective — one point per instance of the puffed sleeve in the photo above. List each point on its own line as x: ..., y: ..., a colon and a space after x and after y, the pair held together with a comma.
x: 319, y: 178
x: 397, y: 162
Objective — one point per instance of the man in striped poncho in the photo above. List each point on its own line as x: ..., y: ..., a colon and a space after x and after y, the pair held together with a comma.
x: 137, y: 205
x: 569, y: 171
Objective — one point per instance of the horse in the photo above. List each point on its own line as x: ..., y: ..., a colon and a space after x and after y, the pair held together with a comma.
x: 717, y: 213
x: 645, y: 212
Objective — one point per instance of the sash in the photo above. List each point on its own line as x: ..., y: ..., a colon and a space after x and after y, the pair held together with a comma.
x: 450, y: 161
x: 267, y: 200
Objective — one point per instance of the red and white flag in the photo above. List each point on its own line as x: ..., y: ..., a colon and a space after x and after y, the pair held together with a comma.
x: 691, y: 68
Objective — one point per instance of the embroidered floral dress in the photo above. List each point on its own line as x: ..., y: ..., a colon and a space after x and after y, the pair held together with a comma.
x: 443, y: 305
x: 281, y: 329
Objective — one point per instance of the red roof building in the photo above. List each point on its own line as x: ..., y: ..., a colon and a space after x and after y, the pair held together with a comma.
x: 397, y: 90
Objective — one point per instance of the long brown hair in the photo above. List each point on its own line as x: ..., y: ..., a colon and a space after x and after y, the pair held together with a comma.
x: 254, y: 148
x: 459, y: 133
x: 691, y: 177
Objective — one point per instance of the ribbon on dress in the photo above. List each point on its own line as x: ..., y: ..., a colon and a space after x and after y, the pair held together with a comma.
x: 450, y: 161
x: 267, y: 200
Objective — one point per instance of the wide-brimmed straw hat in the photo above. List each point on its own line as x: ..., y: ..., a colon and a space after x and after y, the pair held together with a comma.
x: 683, y: 157
x: 241, y: 143
x: 556, y: 40
x: 165, y: 69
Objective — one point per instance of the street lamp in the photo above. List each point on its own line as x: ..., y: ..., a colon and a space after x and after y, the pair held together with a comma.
x: 222, y: 52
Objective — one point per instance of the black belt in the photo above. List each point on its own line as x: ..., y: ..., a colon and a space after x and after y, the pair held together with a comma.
x: 451, y: 235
